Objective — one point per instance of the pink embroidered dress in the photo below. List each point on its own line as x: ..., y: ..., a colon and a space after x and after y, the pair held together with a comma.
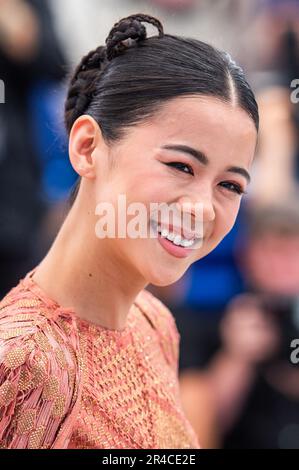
x: 68, y: 383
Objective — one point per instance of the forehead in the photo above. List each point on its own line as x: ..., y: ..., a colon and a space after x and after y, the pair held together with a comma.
x: 189, y: 114
x: 206, y: 123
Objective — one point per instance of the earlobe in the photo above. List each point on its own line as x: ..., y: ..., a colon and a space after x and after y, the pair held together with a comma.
x: 83, y: 140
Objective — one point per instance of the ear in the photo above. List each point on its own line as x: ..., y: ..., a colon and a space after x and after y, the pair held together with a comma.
x: 85, y: 135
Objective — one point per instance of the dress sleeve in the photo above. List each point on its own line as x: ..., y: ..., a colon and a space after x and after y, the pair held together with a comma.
x: 37, y: 385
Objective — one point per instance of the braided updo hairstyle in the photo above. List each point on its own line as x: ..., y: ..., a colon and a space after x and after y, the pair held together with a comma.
x: 127, y: 80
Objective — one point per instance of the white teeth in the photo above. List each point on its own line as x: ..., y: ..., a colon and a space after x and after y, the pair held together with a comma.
x: 171, y: 236
x: 176, y: 239
x: 187, y: 243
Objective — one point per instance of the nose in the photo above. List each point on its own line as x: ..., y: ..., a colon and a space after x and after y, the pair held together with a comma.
x: 199, y: 207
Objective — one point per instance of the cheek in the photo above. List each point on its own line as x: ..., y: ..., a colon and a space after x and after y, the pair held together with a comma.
x: 225, y: 217
x: 141, y: 184
x: 148, y: 189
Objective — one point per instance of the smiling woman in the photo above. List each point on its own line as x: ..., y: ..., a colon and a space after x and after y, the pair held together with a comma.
x: 88, y: 356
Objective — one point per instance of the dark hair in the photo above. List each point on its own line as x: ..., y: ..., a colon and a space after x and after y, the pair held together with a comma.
x: 126, y: 81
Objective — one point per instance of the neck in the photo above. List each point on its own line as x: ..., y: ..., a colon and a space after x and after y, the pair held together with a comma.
x: 85, y: 273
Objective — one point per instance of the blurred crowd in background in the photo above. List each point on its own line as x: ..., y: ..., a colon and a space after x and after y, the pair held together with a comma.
x: 237, y: 310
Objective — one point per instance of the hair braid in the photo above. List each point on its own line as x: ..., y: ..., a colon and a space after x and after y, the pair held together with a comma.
x: 86, y: 75
x: 128, y: 28
x: 82, y: 84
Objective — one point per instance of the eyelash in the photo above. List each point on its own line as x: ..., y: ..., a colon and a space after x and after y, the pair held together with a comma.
x: 183, y: 165
x: 236, y: 187
x: 233, y: 187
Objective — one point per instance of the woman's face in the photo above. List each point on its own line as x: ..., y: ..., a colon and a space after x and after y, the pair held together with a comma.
x: 145, y: 171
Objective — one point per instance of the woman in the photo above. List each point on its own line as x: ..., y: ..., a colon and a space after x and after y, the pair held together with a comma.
x: 89, y: 357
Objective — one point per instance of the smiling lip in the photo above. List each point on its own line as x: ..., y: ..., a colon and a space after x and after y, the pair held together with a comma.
x: 175, y: 250
x: 178, y: 231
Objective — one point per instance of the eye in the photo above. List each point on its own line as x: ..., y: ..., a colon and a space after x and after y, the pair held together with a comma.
x: 182, y: 167
x: 233, y: 187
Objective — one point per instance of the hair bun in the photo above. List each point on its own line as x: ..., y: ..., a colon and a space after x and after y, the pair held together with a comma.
x: 127, y: 30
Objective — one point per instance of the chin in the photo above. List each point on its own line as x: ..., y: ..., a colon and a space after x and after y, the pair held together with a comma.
x: 163, y: 279
x: 207, y: 249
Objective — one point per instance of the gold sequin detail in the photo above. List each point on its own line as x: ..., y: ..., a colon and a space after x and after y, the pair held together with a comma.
x: 24, y: 317
x: 26, y: 421
x: 15, y: 358
x: 171, y: 432
x: 72, y: 376
x: 30, y: 345
x: 59, y: 405
x: 129, y: 396
x: 27, y: 303
x: 50, y: 390
x: 12, y: 333
x: 8, y: 392
x: 6, y: 301
x: 65, y: 326
x: 39, y: 374
x: 60, y: 358
x: 25, y: 382
x: 36, y: 438
x: 73, y: 355
x: 52, y: 332
x: 42, y: 341
x: 129, y: 391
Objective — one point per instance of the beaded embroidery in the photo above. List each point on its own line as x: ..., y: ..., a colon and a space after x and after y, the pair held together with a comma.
x: 65, y: 383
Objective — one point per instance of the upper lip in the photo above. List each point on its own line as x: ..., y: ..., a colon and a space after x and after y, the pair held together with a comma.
x: 178, y: 231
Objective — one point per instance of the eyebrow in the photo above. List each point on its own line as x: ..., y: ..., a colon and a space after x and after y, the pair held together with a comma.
x: 203, y: 159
